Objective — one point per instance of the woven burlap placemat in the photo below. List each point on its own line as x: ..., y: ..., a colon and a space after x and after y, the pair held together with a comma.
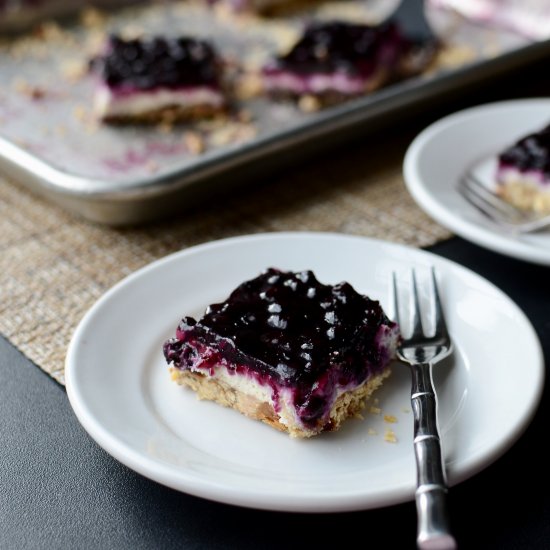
x: 54, y: 266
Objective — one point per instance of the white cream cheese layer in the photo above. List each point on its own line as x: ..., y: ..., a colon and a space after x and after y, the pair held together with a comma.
x: 108, y: 103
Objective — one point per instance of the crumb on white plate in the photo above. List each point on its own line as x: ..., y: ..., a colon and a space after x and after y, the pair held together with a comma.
x: 390, y: 436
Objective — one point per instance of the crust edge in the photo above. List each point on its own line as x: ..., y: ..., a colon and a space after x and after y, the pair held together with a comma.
x: 347, y: 405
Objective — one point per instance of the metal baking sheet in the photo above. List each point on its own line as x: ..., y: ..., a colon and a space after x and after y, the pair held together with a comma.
x: 50, y: 141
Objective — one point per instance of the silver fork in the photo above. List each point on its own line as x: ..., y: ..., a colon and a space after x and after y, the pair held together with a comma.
x: 421, y: 352
x: 498, y: 210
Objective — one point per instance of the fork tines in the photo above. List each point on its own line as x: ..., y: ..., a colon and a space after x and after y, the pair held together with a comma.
x: 417, y: 330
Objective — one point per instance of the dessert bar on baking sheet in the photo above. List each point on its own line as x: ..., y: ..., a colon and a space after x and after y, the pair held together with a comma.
x: 51, y: 141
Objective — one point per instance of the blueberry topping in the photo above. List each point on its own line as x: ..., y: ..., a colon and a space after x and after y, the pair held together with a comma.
x: 283, y: 334
x: 532, y: 152
x: 158, y: 62
x: 347, y: 47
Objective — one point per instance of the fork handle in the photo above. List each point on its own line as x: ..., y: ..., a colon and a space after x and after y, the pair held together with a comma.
x: 431, y: 493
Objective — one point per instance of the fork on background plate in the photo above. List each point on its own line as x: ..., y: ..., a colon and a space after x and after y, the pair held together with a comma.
x: 498, y: 210
x: 421, y: 352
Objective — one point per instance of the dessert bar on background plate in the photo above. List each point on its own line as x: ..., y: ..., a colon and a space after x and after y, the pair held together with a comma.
x: 51, y: 142
x: 471, y: 140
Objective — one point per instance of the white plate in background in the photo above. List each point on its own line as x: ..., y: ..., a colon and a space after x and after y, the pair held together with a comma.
x: 120, y: 389
x: 441, y: 154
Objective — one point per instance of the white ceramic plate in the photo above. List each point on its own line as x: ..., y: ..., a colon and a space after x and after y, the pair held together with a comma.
x: 119, y: 387
x: 443, y: 152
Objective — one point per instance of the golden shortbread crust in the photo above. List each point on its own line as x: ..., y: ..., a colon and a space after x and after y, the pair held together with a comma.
x: 349, y: 404
x: 167, y: 114
x: 525, y: 196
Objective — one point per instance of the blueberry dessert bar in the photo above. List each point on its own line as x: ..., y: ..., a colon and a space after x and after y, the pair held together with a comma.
x: 523, y: 173
x: 158, y: 79
x: 338, y: 60
x: 288, y: 350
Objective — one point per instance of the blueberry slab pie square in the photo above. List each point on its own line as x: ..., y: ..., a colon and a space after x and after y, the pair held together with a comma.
x: 523, y: 173
x: 288, y: 350
x: 335, y: 60
x: 158, y: 79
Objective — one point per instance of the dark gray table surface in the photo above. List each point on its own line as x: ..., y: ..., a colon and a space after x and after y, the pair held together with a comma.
x: 58, y: 489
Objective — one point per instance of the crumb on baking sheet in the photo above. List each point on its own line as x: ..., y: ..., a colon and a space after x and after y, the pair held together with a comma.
x: 73, y: 70
x: 92, y: 17
x: 94, y: 41
x: 451, y: 57
x: 248, y: 85
x: 284, y: 35
x: 390, y: 436
x: 194, y: 142
x: 232, y: 133
x: 86, y: 117
x: 309, y: 104
x: 50, y: 31
x: 244, y: 115
x: 23, y: 87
